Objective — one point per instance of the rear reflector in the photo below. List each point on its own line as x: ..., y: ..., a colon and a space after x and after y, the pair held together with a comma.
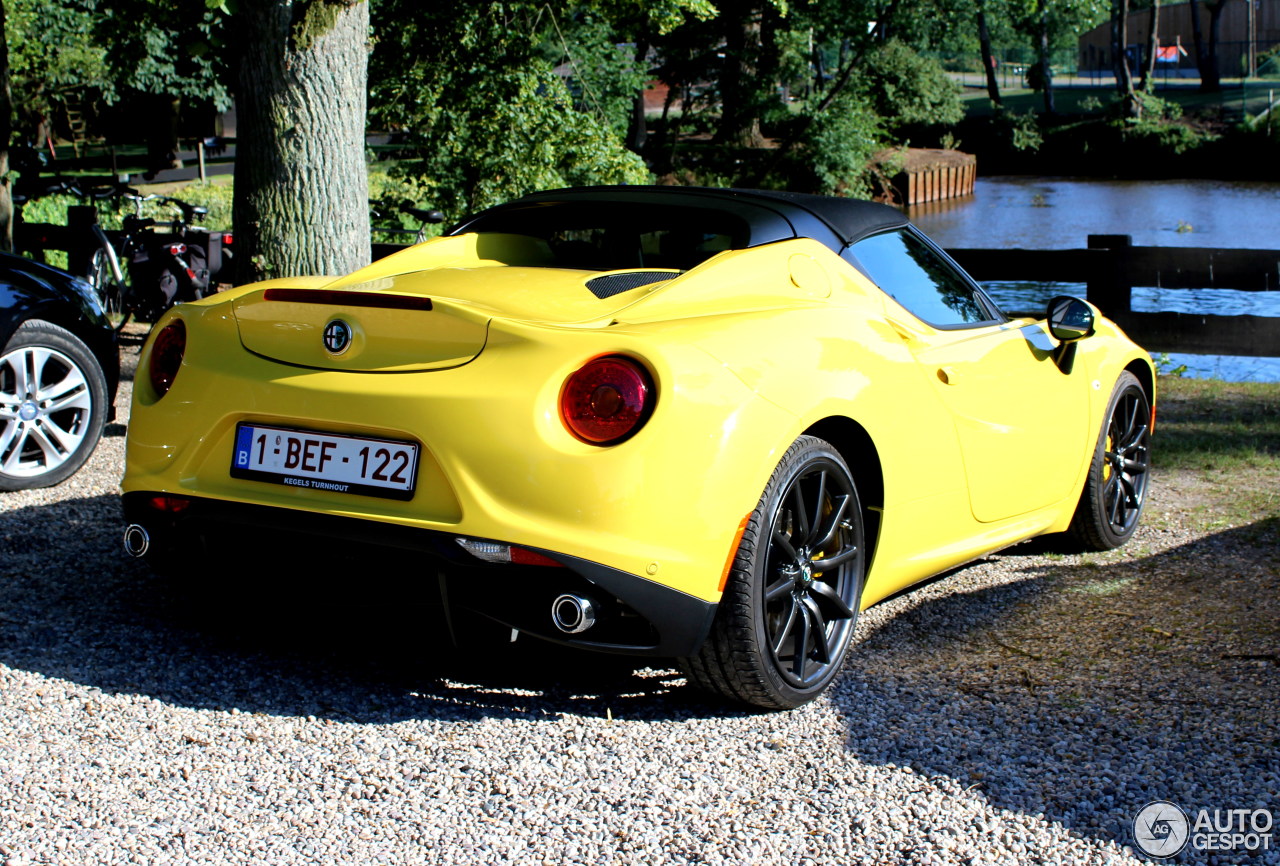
x: 495, y: 551
x: 347, y: 299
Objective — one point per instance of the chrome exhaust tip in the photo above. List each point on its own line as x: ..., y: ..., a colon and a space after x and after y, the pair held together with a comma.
x: 137, y: 541
x: 573, y: 614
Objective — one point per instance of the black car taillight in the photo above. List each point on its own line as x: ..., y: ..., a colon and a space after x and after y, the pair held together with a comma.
x: 166, y: 356
x: 607, y: 400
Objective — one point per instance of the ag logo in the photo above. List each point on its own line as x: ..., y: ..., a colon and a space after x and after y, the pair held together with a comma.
x: 1161, y: 829
x: 337, y: 337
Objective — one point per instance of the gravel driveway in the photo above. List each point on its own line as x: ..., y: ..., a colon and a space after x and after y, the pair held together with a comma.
x: 1020, y: 710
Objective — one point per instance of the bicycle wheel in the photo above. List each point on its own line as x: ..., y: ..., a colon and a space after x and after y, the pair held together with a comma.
x: 110, y: 290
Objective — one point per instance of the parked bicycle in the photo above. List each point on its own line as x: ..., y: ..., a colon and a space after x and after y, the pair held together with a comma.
x: 145, y: 267
x: 382, y: 210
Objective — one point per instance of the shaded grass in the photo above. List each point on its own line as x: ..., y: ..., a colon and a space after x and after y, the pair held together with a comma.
x: 1220, y: 441
x: 1208, y: 424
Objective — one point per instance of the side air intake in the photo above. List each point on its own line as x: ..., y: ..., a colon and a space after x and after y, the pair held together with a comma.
x: 615, y: 284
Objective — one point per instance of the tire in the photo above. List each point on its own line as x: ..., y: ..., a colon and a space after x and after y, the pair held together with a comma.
x: 50, y: 422
x: 1116, y: 488
x: 782, y: 628
x: 104, y: 282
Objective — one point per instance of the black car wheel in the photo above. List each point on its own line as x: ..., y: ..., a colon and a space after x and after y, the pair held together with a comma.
x: 789, y: 608
x: 1116, y: 489
x: 53, y: 406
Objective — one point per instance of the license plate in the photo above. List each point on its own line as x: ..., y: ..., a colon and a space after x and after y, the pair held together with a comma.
x: 325, y: 461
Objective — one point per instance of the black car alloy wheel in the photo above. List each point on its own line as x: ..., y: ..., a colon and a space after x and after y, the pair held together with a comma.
x: 1116, y: 489
x: 789, y: 608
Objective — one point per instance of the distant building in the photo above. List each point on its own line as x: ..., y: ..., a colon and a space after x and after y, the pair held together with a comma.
x: 1175, y: 56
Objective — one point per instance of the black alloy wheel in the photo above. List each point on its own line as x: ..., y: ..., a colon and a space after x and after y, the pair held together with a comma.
x: 1116, y: 489
x: 791, y: 602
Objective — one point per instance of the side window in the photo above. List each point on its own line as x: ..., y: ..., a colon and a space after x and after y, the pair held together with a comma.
x: 924, y: 283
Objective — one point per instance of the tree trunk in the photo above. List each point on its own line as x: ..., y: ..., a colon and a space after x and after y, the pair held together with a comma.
x: 1214, y: 80
x: 1208, y: 71
x: 6, y: 132
x: 739, y: 105
x: 1120, y: 55
x: 1046, y: 68
x: 638, y: 128
x: 301, y: 193
x: 988, y: 62
x: 1148, y: 83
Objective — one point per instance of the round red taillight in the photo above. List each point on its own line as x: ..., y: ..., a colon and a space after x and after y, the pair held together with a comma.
x: 166, y: 356
x: 607, y: 400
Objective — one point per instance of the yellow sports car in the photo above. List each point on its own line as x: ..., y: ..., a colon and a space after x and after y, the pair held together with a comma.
x: 703, y: 424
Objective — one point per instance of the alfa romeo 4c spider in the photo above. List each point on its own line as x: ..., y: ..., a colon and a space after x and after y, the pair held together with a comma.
x: 709, y: 425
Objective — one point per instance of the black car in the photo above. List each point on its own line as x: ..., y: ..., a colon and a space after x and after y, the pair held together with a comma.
x: 59, y: 368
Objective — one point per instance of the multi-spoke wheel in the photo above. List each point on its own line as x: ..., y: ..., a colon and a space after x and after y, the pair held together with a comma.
x: 53, y: 398
x: 1116, y: 488
x: 789, y: 608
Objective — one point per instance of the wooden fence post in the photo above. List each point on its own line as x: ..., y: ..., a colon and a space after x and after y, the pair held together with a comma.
x: 1108, y: 285
x: 80, y: 241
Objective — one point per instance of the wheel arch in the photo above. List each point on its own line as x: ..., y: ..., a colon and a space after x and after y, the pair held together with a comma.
x: 860, y: 454
x: 1145, y: 378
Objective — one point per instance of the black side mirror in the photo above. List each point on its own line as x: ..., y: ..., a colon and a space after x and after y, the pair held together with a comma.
x: 1070, y: 319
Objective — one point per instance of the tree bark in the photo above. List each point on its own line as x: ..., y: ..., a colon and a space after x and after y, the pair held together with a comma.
x: 1147, y: 84
x: 301, y: 195
x: 988, y: 62
x: 6, y: 133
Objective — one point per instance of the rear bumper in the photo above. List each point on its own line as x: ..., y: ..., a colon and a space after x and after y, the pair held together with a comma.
x: 635, y: 616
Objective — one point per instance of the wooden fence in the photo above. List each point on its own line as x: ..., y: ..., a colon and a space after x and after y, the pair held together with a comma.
x: 1111, y: 266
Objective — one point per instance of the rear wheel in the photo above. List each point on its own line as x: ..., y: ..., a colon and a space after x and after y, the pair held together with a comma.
x: 789, y: 608
x: 53, y: 406
x: 1116, y: 489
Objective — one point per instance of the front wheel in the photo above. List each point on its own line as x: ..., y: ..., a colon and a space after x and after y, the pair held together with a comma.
x: 787, y: 615
x: 1116, y: 489
x: 53, y: 406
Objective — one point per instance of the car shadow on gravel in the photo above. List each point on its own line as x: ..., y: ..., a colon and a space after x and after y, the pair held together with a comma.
x: 1084, y: 688
x: 74, y: 606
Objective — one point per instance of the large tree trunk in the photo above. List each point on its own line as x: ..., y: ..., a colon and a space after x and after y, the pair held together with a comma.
x: 1148, y: 83
x: 988, y: 62
x: 301, y: 197
x: 6, y: 132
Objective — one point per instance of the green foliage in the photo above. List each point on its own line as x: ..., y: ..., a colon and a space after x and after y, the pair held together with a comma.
x: 906, y: 88
x: 164, y: 48
x: 55, y: 52
x: 840, y: 142
x: 605, y: 75
x: 1166, y: 367
x: 1019, y: 131
x: 485, y: 116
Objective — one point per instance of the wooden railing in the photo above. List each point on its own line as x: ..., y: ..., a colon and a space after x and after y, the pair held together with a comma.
x: 1111, y: 266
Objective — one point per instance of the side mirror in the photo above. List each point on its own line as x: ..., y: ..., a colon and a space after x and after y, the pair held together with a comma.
x: 1070, y: 319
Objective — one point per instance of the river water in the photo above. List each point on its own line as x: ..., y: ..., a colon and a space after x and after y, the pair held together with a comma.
x: 1060, y: 213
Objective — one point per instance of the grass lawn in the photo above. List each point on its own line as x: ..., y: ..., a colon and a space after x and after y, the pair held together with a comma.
x: 1080, y: 99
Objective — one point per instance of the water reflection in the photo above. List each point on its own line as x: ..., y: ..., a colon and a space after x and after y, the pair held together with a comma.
x: 1040, y: 213
x: 1060, y: 213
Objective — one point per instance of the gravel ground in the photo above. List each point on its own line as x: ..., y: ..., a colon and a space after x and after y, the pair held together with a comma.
x: 1019, y: 710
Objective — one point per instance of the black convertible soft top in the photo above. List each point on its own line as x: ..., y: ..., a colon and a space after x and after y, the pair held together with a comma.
x: 753, y: 216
